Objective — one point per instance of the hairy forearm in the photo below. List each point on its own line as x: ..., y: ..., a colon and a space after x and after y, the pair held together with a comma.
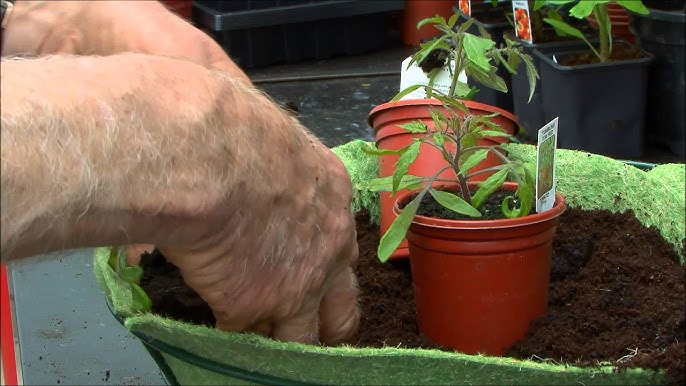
x: 92, y: 159
x: 107, y: 28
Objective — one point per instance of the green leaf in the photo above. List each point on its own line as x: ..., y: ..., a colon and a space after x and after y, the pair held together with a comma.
x: 406, y: 91
x: 483, y: 32
x: 634, y: 6
x: 475, y: 47
x: 113, y: 260
x: 583, y: 9
x: 495, y: 133
x: 532, y: 75
x: 526, y: 179
x: 474, y: 159
x: 385, y: 184
x: 525, y: 193
x: 140, y: 302
x: 455, y: 203
x: 131, y: 274
x: 439, y: 139
x: 488, y: 187
x: 396, y: 232
x: 504, y: 62
x: 465, y: 26
x: 569, y: 30
x: 468, y: 140
x: 404, y: 161
x: 560, y: 2
x: 433, y: 20
x: 426, y: 49
x: 489, y: 79
x: 554, y: 15
x: 371, y: 149
x: 464, y: 91
x: 453, y: 20
x: 538, y: 4
x: 438, y: 117
x: 505, y: 207
x: 414, y: 127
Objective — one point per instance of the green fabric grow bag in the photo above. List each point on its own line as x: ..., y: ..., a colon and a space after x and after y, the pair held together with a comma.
x: 189, y: 354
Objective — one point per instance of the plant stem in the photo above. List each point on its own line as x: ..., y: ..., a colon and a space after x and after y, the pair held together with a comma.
x: 458, y: 67
x: 604, y: 30
x: 464, y: 189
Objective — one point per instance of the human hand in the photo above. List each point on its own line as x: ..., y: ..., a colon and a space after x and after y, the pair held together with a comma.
x: 251, y: 207
x: 283, y: 269
x: 110, y: 27
x: 299, y: 284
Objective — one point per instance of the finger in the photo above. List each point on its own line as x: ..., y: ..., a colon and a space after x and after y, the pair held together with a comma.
x: 339, y: 313
x: 134, y: 252
x: 261, y: 328
x: 303, y: 328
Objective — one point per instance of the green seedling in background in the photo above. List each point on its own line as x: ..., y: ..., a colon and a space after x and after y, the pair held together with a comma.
x: 598, y: 8
x: 477, y: 56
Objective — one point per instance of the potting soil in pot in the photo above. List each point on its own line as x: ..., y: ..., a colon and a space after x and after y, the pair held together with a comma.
x: 607, y: 286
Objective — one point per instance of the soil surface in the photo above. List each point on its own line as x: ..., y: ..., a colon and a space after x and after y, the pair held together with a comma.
x: 617, y: 295
x: 620, y: 52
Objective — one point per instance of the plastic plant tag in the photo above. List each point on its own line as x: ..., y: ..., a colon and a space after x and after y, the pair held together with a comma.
x: 415, y: 75
x: 466, y: 7
x: 520, y: 8
x: 545, y: 166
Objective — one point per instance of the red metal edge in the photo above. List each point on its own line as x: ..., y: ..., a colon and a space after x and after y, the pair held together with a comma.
x: 9, y: 365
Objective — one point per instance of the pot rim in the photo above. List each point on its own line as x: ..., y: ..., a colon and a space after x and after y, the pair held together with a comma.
x: 435, y: 102
x: 545, y: 55
x: 558, y: 208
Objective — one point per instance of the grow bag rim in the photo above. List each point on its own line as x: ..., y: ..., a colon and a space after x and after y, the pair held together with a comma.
x: 204, y: 363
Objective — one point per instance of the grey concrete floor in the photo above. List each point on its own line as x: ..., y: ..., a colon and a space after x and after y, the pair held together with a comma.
x: 67, y: 334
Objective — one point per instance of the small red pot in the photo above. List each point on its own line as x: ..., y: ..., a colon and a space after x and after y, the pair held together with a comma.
x: 478, y: 284
x: 386, y: 120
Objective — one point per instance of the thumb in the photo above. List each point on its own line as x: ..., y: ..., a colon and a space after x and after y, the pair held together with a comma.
x: 134, y: 252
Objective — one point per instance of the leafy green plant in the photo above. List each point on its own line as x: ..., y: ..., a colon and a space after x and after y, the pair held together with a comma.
x: 131, y: 275
x: 455, y: 133
x: 457, y: 50
x: 584, y: 8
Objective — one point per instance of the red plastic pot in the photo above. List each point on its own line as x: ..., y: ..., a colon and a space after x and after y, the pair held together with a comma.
x: 386, y: 118
x: 417, y: 10
x: 478, y: 284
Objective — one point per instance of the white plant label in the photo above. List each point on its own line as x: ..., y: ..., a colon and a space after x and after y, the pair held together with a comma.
x: 415, y: 75
x: 520, y: 9
x: 545, y: 166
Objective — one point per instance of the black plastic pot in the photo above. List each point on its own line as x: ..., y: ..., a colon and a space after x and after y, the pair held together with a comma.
x: 662, y: 34
x: 484, y: 15
x: 530, y: 114
x: 258, y: 33
x: 601, y: 106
